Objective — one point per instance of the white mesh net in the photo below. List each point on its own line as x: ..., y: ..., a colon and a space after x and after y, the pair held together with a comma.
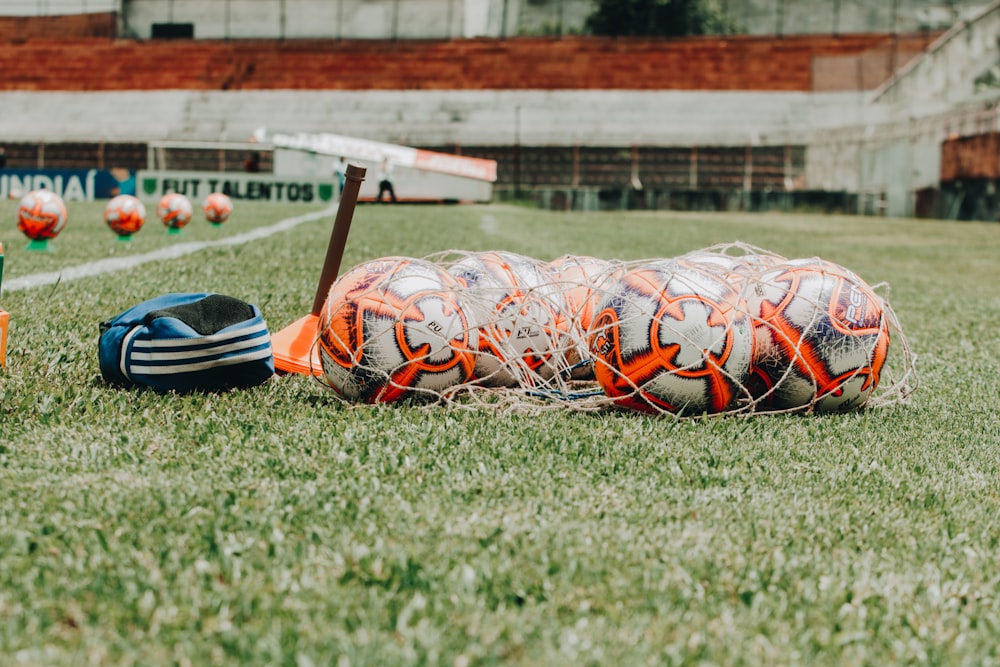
x: 729, y: 329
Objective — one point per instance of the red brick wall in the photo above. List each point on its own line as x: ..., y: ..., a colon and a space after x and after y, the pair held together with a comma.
x: 734, y: 63
x: 21, y: 28
x: 971, y: 158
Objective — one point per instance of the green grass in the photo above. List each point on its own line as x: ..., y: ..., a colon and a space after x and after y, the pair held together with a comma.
x: 276, y: 526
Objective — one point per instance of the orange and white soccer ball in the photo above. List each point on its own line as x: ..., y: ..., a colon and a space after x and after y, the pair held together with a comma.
x: 822, y: 337
x: 217, y: 207
x: 392, y: 329
x: 582, y: 282
x: 669, y: 338
x: 174, y: 210
x: 734, y: 268
x: 41, y: 215
x: 516, y: 310
x: 125, y: 215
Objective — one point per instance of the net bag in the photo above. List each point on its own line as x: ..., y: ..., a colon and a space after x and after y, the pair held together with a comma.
x: 729, y: 329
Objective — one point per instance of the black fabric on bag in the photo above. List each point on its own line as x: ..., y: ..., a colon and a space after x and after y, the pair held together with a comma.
x: 207, y: 316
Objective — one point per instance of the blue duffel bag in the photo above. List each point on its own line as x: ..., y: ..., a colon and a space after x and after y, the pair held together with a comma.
x: 187, y: 342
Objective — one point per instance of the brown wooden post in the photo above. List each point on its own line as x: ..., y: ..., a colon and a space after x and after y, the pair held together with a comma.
x: 338, y: 237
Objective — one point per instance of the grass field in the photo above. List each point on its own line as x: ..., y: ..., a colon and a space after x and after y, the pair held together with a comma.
x: 276, y: 526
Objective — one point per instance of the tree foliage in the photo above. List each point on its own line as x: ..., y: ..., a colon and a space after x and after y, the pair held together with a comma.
x: 658, y: 18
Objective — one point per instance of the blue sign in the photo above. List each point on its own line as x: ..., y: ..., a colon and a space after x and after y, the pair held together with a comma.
x: 70, y: 184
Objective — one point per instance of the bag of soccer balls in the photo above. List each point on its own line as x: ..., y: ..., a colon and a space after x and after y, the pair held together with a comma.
x: 729, y: 329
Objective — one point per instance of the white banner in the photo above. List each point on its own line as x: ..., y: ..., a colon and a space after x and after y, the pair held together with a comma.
x: 352, y: 148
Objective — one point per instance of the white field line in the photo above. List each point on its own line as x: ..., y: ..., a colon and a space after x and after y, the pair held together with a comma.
x: 114, y: 264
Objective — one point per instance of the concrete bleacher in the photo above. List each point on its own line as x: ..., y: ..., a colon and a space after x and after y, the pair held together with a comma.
x: 572, y: 91
x: 528, y: 91
x: 952, y: 63
x: 555, y: 113
x: 423, y: 118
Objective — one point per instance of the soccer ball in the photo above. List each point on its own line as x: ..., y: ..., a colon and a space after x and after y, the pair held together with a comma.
x: 218, y: 207
x: 670, y: 338
x: 733, y: 268
x: 822, y: 337
x: 393, y: 328
x: 582, y: 282
x: 174, y: 210
x: 41, y: 215
x: 515, y: 309
x: 125, y: 215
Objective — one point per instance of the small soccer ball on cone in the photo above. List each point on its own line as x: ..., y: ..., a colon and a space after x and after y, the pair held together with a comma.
x: 174, y: 211
x: 125, y: 215
x: 217, y: 207
x: 41, y: 215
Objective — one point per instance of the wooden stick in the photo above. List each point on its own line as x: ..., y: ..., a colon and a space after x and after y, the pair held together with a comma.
x: 338, y: 237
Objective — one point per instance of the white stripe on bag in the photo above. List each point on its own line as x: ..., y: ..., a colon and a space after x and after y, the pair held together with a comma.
x: 200, y: 352
x: 123, y: 359
x: 201, y: 340
x: 202, y: 365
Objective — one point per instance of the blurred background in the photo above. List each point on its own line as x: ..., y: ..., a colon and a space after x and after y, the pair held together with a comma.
x: 878, y: 107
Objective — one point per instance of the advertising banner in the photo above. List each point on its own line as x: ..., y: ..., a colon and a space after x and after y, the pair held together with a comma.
x: 70, y: 184
x: 197, y: 185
